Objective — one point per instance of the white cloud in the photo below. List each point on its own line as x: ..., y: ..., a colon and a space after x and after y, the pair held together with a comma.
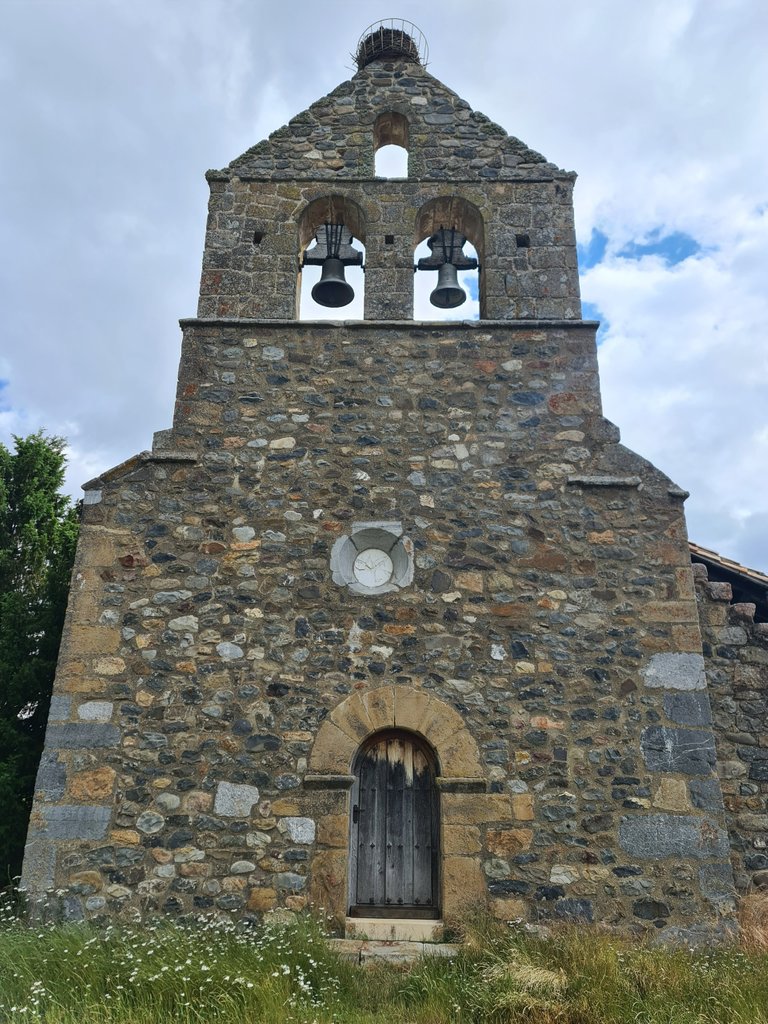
x: 111, y: 112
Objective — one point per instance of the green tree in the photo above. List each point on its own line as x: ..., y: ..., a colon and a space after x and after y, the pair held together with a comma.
x: 38, y: 533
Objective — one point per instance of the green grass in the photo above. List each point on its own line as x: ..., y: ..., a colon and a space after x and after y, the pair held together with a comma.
x: 206, y: 971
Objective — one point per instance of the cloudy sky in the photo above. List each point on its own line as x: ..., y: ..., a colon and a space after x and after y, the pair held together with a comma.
x: 112, y: 110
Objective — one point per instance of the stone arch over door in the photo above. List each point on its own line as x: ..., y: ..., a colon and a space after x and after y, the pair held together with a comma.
x: 460, y: 780
x: 396, y: 707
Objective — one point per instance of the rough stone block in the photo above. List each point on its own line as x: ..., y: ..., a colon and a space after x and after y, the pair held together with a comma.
x: 574, y: 910
x: 60, y: 709
x: 333, y: 830
x: 461, y: 839
x: 82, y: 736
x: 706, y: 794
x: 463, y: 885
x: 654, y: 836
x: 75, y: 821
x: 234, y: 800
x: 261, y: 900
x: 39, y: 863
x: 291, y: 881
x: 522, y: 806
x: 299, y: 830
x: 688, y: 708
x: 687, y: 751
x: 51, y: 777
x: 475, y: 808
x: 332, y: 751
x: 92, y: 785
x: 675, y: 671
x: 95, y: 711
x: 716, y: 882
x: 509, y: 841
x: 672, y: 795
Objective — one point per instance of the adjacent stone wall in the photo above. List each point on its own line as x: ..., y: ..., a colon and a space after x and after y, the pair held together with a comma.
x: 736, y: 652
x: 208, y: 652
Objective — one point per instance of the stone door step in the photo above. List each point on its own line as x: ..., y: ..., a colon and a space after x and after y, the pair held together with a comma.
x: 365, y: 950
x: 393, y: 929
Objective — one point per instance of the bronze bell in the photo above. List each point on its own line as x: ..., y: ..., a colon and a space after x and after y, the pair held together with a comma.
x: 448, y: 293
x: 332, y: 289
x: 447, y: 258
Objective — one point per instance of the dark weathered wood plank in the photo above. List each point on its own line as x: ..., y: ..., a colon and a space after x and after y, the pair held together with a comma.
x: 423, y: 788
x: 396, y: 837
x: 408, y: 834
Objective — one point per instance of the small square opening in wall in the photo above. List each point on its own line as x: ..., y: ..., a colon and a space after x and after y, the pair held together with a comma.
x: 523, y: 241
x: 258, y: 237
x: 389, y: 239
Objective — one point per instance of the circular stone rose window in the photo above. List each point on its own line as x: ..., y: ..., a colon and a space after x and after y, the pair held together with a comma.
x: 374, y: 559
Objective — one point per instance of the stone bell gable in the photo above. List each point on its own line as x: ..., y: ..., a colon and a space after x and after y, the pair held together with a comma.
x: 336, y: 137
x: 464, y: 171
x: 388, y: 621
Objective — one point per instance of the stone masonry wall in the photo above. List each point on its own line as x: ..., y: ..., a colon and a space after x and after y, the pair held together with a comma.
x: 736, y: 653
x: 207, y: 652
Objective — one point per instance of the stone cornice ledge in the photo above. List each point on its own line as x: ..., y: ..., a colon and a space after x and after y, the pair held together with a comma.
x: 167, y: 455
x: 605, y: 481
x: 418, y: 325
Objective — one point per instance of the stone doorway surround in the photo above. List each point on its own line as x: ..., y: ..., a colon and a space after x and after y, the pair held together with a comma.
x: 464, y: 800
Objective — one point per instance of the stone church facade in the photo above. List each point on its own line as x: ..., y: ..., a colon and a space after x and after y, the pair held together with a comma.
x: 516, y: 714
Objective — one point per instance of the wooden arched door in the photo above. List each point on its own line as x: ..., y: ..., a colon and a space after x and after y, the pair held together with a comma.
x: 394, y: 840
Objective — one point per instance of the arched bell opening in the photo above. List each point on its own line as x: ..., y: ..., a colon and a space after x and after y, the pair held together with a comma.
x: 390, y: 145
x: 395, y: 828
x: 331, y: 281
x: 449, y: 251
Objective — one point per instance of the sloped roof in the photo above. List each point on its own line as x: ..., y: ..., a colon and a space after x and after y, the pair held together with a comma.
x: 698, y: 553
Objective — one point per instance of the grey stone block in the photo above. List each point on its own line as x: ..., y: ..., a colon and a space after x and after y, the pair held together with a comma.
x: 706, y: 794
x: 39, y: 868
x: 76, y: 821
x: 82, y: 735
x: 688, y: 708
x: 300, y: 830
x: 60, y: 707
x: 716, y: 882
x: 290, y: 880
x: 95, y: 711
x: 234, y: 800
x: 574, y: 910
x: 675, y: 671
x: 715, y: 934
x: 672, y: 835
x: 51, y: 777
x: 688, y: 751
x: 72, y: 909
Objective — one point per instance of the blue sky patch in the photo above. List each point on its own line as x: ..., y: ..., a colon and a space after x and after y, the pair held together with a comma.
x: 590, y: 311
x: 4, y: 407
x: 470, y: 283
x: 594, y: 251
x: 672, y: 248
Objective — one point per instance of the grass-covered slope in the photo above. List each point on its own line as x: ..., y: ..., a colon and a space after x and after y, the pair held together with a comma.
x: 215, y: 972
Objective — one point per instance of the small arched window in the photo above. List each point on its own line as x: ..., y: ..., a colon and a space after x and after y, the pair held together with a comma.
x: 448, y: 222
x: 326, y: 225
x: 390, y: 144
